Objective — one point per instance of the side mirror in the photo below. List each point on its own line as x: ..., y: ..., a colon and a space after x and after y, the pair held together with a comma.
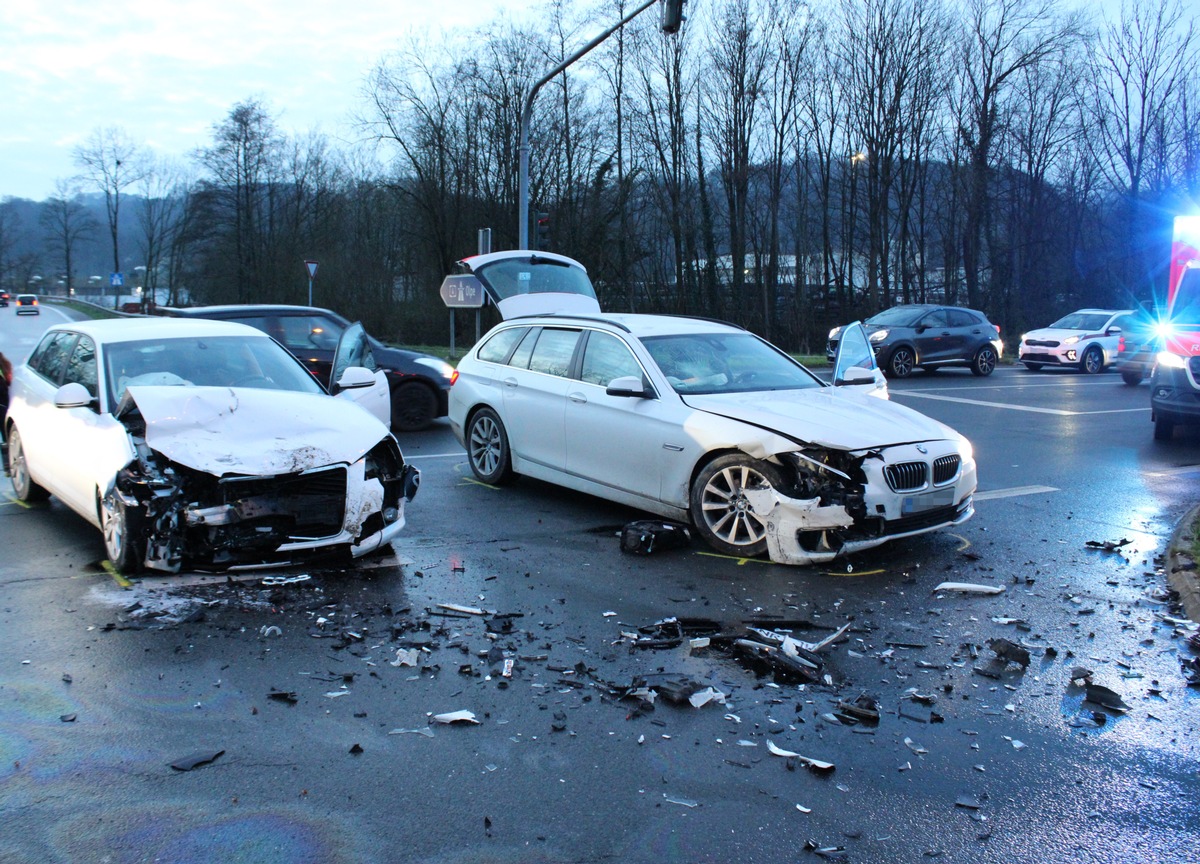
x: 857, y: 375
x: 73, y: 395
x: 356, y: 377
x: 1113, y: 331
x: 628, y: 385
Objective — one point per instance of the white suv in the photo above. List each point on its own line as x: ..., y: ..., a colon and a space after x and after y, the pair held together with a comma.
x: 1087, y: 340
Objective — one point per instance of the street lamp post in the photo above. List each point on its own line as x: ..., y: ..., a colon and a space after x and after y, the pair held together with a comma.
x: 527, y: 115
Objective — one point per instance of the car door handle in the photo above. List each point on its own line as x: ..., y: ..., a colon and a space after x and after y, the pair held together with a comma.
x: 577, y: 398
x: 510, y: 383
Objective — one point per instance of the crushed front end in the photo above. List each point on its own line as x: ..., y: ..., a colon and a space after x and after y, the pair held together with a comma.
x: 192, y: 519
x: 837, y: 502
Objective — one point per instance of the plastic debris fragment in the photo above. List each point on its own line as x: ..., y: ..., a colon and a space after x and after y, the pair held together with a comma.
x: 196, y: 760
x: 969, y: 588
x: 456, y: 717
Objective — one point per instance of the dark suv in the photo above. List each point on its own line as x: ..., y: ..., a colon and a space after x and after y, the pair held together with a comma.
x: 419, y: 382
x: 929, y: 337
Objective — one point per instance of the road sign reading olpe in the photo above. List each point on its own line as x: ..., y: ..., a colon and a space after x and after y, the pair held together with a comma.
x: 462, y: 291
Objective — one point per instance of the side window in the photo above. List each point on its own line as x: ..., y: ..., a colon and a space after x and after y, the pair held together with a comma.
x: 81, y: 368
x: 35, y: 359
x: 936, y: 318
x: 302, y: 333
x: 54, y: 358
x: 959, y: 318
x: 497, y: 349
x: 606, y: 357
x: 520, y: 357
x: 261, y: 322
x: 553, y: 352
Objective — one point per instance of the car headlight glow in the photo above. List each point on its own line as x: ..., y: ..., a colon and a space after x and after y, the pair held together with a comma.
x: 1070, y: 340
x: 878, y: 336
x: 834, y: 332
x: 1170, y: 361
x: 440, y: 366
x: 1164, y: 329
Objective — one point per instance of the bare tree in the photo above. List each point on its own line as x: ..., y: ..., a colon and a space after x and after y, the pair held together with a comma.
x: 111, y: 162
x: 66, y: 221
x: 160, y: 218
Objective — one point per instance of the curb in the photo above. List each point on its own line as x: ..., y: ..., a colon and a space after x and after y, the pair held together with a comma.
x: 1182, y: 573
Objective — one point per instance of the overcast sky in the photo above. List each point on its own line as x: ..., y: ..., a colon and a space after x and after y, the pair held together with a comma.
x: 165, y: 71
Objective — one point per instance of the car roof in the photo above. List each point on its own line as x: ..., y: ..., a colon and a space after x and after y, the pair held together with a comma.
x: 230, y: 310
x: 110, y: 330
x: 640, y: 325
x: 1101, y: 311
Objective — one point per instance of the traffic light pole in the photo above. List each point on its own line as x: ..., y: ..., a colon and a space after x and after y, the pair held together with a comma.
x: 527, y: 115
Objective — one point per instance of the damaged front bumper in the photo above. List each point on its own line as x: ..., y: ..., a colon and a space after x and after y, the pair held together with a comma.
x: 899, y: 491
x: 192, y: 519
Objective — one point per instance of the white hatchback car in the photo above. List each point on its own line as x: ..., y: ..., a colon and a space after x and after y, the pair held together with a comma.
x: 204, y: 445
x: 699, y: 421
x: 1088, y: 340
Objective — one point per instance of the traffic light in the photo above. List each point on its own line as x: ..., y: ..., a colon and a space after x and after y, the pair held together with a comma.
x: 672, y: 15
x: 543, y: 231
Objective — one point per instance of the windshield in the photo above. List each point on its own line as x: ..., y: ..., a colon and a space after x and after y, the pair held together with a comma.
x: 1082, y: 321
x: 211, y: 361
x: 726, y: 363
x: 897, y: 316
x: 510, y: 277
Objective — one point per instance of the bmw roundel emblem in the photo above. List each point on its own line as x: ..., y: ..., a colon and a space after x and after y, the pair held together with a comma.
x: 922, y: 449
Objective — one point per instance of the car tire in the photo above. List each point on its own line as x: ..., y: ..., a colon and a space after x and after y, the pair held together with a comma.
x: 1132, y: 377
x: 1163, y: 429
x: 1092, y: 361
x: 901, y: 362
x: 23, y: 486
x: 1033, y: 367
x: 487, y: 448
x: 124, y: 539
x: 414, y: 407
x: 719, y: 509
x: 984, y: 361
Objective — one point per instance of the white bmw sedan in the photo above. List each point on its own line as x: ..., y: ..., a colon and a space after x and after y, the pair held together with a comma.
x: 699, y: 421
x: 204, y: 445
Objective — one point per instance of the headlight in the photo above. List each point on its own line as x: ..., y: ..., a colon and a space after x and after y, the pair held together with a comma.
x: 965, y: 449
x: 440, y: 366
x: 1070, y: 340
x: 1170, y: 361
x: 878, y: 336
x: 1164, y: 330
x: 834, y: 332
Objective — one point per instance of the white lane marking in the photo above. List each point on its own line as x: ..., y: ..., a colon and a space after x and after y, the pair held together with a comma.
x: 1170, y: 472
x: 462, y: 454
x: 1057, y: 411
x: 1013, y: 492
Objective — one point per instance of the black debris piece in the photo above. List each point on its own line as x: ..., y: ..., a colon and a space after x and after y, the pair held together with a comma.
x: 676, y: 689
x: 773, y: 658
x: 288, y: 696
x: 356, y: 750
x: 67, y: 718
x: 1010, y: 651
x: 1108, y: 545
x: 196, y: 760
x: 502, y: 622
x: 647, y: 536
x: 559, y: 723
x: 864, y: 709
x: 1105, y: 698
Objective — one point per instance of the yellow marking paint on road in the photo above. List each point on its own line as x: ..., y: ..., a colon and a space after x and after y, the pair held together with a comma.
x: 115, y: 574
x: 852, y: 572
x: 8, y: 499
x: 966, y: 544
x: 740, y: 561
x: 471, y: 480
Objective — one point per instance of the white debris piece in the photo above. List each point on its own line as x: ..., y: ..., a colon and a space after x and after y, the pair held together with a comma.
x: 466, y: 610
x: 456, y: 717
x: 406, y: 657
x: 969, y: 588
x: 709, y: 694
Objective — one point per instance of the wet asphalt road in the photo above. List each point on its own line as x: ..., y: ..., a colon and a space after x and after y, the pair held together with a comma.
x: 559, y: 769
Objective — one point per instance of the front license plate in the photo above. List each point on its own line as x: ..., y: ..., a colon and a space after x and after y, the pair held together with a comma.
x: 927, y: 501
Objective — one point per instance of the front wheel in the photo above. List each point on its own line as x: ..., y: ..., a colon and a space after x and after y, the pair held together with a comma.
x: 413, y: 407
x: 984, y: 361
x: 23, y: 486
x: 123, y: 537
x: 720, y: 509
x: 900, y: 364
x: 1092, y: 362
x: 1132, y: 377
x: 1033, y: 367
x: 487, y: 448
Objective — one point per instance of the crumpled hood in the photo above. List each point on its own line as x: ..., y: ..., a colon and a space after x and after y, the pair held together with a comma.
x: 240, y: 430
x: 837, y: 418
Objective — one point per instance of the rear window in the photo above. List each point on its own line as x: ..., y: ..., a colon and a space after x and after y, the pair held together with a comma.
x: 498, y: 346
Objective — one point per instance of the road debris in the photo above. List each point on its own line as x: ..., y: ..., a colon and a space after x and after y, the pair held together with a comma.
x: 456, y: 717
x: 196, y: 760
x: 1007, y: 654
x: 969, y: 588
x: 1105, y: 698
x: 288, y: 696
x: 647, y: 536
x: 1108, y: 545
